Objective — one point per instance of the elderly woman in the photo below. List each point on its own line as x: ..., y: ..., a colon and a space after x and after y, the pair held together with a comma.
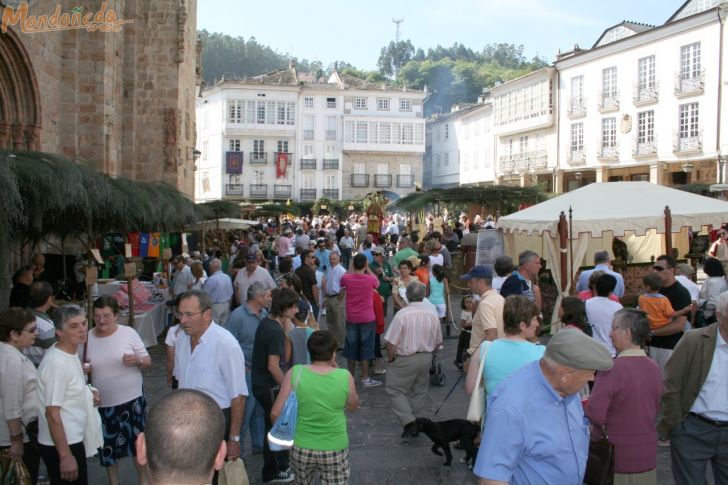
x: 714, y: 285
x: 321, y: 442
x: 399, y: 284
x: 117, y: 355
x: 510, y: 353
x: 18, y: 394
x: 66, y: 414
x: 626, y: 399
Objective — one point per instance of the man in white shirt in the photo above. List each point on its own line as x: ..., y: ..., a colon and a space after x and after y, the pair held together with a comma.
x: 182, y: 279
x: 220, y: 288
x: 248, y: 275
x: 209, y: 359
x: 695, y: 402
x: 600, y: 311
x: 683, y: 274
x: 334, y: 300
x: 346, y: 244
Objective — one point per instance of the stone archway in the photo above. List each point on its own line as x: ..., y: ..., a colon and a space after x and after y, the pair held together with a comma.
x: 20, y: 118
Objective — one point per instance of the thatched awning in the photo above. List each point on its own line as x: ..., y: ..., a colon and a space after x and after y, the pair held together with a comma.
x: 497, y: 196
x: 44, y: 193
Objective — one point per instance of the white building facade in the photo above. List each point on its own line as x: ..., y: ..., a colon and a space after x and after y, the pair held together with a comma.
x: 273, y: 137
x: 645, y: 103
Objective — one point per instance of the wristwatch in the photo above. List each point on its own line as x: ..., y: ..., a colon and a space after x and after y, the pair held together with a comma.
x: 235, y: 438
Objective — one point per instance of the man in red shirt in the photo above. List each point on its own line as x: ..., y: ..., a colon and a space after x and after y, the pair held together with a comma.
x: 360, y: 319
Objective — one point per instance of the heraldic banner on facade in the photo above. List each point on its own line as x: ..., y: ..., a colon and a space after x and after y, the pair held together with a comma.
x: 281, y: 165
x: 234, y: 163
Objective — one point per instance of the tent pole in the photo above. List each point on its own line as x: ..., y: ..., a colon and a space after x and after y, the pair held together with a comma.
x: 571, y: 248
x: 668, y: 230
x: 562, y: 249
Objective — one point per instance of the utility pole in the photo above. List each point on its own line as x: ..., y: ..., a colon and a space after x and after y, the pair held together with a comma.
x: 397, y: 21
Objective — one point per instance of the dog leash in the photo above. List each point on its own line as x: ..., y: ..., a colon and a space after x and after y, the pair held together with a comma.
x: 449, y: 394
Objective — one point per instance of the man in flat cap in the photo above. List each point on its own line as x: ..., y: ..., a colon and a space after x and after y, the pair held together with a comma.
x: 535, y: 429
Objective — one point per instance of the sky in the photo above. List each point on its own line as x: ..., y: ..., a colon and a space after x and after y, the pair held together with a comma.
x: 355, y: 31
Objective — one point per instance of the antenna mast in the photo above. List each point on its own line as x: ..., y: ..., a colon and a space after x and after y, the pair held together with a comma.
x: 396, y: 33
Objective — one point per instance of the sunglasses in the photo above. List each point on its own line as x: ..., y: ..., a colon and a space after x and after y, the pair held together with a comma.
x: 658, y: 268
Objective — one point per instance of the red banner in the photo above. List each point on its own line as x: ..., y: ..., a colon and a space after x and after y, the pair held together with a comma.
x: 281, y: 165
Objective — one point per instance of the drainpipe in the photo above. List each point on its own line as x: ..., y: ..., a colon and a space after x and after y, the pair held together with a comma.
x: 720, y: 94
x: 557, y: 114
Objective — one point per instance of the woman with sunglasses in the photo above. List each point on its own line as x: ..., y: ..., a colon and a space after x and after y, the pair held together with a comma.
x: 18, y: 394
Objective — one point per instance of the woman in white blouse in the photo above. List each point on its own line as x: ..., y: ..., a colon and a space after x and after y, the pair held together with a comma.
x: 18, y: 393
x: 117, y: 355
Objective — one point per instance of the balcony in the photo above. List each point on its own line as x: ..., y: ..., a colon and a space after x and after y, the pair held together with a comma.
x: 577, y: 158
x: 360, y: 180
x: 234, y: 189
x: 308, y: 194
x: 330, y: 135
x: 331, y: 163
x: 608, y: 101
x: 308, y: 164
x: 382, y: 180
x: 645, y: 94
x: 332, y: 193
x: 538, y: 159
x: 506, y: 164
x: 258, y: 158
x: 406, y: 181
x: 689, y: 84
x: 308, y: 134
x: 688, y: 142
x: 258, y: 191
x: 282, y: 191
x: 645, y: 148
x: 608, y: 152
x: 577, y: 108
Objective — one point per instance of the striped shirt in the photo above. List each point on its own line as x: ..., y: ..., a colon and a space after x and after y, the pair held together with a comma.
x: 413, y: 329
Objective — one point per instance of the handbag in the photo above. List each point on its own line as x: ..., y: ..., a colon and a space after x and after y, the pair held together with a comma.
x: 600, y: 464
x: 13, y: 472
x: 233, y: 473
x: 281, y: 436
x: 477, y: 398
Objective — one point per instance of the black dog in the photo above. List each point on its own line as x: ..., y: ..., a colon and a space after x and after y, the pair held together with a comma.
x: 442, y: 433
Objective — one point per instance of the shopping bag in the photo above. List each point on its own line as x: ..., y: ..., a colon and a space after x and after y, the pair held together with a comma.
x: 281, y: 436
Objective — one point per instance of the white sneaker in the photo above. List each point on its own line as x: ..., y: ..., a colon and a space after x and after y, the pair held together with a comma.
x: 369, y: 382
x: 282, y: 477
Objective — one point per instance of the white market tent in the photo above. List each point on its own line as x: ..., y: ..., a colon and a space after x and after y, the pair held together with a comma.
x: 600, y: 211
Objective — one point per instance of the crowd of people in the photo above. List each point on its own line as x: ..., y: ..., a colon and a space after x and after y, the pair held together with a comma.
x: 298, y: 297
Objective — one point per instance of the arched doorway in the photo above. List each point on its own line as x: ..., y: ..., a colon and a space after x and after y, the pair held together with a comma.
x: 19, y: 102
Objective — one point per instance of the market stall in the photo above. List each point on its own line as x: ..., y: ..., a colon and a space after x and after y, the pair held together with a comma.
x: 650, y: 219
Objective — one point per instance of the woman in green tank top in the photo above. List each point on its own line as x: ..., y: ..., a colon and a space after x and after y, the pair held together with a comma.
x: 324, y: 391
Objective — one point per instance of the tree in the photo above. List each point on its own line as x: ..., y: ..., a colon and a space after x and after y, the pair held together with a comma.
x: 394, y: 56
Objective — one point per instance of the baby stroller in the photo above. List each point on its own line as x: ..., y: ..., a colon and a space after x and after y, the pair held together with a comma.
x: 437, y: 376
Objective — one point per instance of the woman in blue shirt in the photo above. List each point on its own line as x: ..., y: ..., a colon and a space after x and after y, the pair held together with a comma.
x: 510, y: 353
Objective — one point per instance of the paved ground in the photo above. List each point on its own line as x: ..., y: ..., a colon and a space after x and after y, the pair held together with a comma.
x: 378, y: 454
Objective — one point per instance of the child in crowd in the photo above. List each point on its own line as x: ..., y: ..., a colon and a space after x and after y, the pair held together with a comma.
x: 658, y: 308
x: 438, y: 290
x: 467, y: 304
x: 296, y: 350
x: 422, y: 271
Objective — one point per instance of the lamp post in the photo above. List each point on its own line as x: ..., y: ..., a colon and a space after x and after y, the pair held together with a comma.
x: 722, y: 157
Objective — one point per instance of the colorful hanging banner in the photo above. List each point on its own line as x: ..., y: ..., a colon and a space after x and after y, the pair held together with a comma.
x: 133, y: 238
x: 234, y: 162
x: 281, y: 165
x: 144, y: 245
x: 154, y: 245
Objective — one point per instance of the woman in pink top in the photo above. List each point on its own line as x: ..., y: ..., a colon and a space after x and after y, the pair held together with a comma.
x: 360, y: 318
x: 117, y: 355
x: 625, y: 401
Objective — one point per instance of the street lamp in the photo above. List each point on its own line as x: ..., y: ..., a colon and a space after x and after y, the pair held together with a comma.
x: 722, y: 157
x: 687, y: 167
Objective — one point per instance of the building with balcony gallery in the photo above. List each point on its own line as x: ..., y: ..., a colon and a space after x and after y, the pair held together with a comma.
x: 283, y: 136
x: 645, y: 102
x: 460, y: 147
x: 524, y: 129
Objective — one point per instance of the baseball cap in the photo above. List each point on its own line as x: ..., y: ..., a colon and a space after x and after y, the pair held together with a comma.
x: 377, y: 250
x: 251, y: 257
x: 479, y: 271
x: 573, y: 348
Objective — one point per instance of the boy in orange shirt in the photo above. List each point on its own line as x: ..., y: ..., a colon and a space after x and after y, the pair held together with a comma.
x: 658, y: 308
